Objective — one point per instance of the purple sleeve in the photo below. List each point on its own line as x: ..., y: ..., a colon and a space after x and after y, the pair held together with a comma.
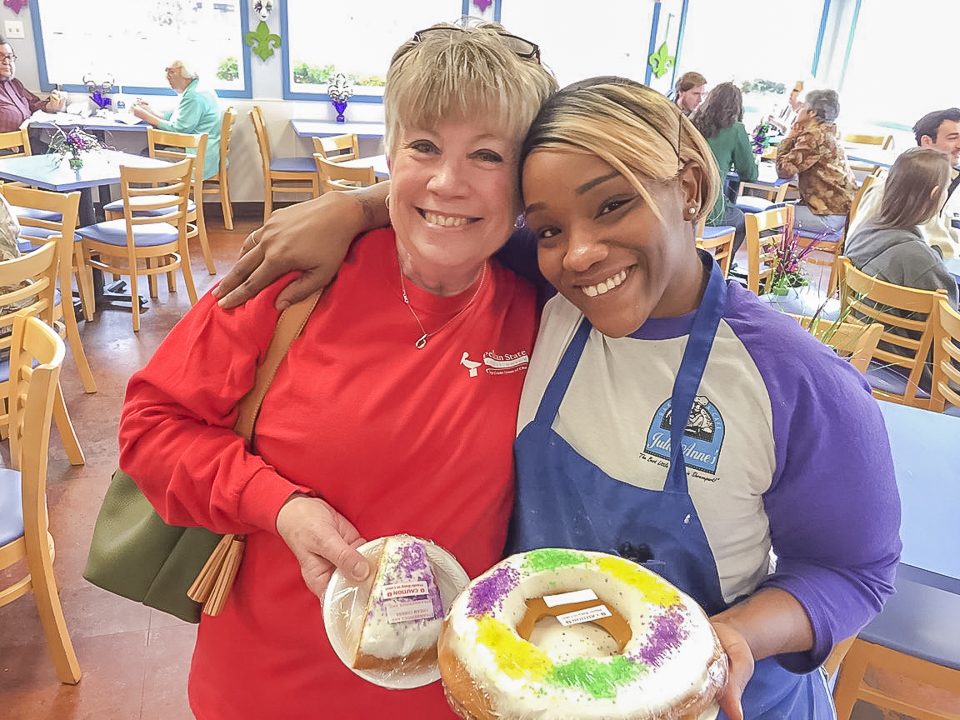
x: 833, y: 505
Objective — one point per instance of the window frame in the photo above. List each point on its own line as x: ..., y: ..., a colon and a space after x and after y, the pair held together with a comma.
x: 244, y: 54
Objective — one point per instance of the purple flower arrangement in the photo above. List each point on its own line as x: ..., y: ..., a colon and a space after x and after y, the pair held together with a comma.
x: 760, y: 140
x: 790, y: 252
x: 73, y: 142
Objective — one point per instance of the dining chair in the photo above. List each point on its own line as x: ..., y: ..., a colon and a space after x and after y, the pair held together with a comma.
x: 852, y: 340
x: 15, y: 143
x: 29, y: 284
x: 765, y: 232
x: 153, y: 230
x: 945, y: 389
x: 718, y: 241
x: 283, y: 175
x: 334, y: 176
x: 219, y: 184
x: 769, y: 196
x: 34, y: 230
x: 337, y: 148
x: 862, y: 170
x: 36, y: 357
x: 177, y: 146
x: 908, y: 316
x: 908, y: 658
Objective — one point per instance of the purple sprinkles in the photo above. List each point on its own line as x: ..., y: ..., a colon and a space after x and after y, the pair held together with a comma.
x: 666, y: 633
x: 488, y: 594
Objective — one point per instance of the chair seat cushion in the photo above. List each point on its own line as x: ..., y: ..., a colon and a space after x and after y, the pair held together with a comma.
x: 751, y: 204
x: 114, y: 232
x: 11, y: 505
x: 825, y: 236
x: 294, y: 164
x: 709, y: 232
x: 24, y: 241
x: 889, y: 379
x: 36, y: 214
x: 117, y: 206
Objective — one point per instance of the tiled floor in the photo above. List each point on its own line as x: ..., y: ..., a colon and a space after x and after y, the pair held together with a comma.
x: 134, y: 660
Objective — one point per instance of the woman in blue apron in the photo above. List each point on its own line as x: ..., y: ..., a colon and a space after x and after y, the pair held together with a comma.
x: 647, y: 331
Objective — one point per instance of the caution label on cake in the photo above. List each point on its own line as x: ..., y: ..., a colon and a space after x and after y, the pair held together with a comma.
x: 584, y: 616
x: 414, y: 588
x: 569, y: 598
x: 408, y: 610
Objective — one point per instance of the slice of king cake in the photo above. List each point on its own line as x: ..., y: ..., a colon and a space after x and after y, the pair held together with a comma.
x: 404, y: 613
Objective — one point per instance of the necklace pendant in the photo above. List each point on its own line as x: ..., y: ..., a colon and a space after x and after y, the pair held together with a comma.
x: 422, y: 342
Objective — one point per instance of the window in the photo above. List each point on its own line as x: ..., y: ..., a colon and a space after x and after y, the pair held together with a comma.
x: 610, y: 37
x: 356, y: 38
x: 763, y: 46
x: 132, y: 42
x: 886, y: 80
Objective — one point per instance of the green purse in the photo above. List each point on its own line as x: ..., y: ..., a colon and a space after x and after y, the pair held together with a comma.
x: 135, y: 554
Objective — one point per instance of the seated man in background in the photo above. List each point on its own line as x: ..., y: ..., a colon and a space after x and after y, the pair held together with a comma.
x: 16, y: 102
x: 690, y: 91
x: 197, y: 112
x: 941, y: 130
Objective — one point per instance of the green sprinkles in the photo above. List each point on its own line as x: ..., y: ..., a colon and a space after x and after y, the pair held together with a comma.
x: 551, y: 559
x: 599, y: 679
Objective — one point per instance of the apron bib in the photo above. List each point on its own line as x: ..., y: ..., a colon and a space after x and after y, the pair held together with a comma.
x: 564, y: 500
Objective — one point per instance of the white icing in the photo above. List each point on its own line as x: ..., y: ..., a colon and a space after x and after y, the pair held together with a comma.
x: 398, y: 623
x: 682, y: 671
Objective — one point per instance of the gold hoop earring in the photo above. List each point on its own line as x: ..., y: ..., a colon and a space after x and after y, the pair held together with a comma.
x: 386, y: 201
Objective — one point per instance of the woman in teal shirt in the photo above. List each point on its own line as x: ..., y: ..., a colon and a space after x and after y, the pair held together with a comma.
x: 197, y: 112
x: 720, y: 120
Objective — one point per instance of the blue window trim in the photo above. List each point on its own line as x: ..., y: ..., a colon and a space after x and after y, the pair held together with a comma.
x: 652, y: 45
x: 290, y: 94
x: 246, y: 92
x: 853, y: 32
x: 820, y: 35
x: 680, y: 33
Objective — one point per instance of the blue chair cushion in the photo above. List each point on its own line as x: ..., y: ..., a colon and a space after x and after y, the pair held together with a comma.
x: 890, y: 379
x: 114, y: 232
x: 117, y: 206
x: 294, y: 164
x: 710, y: 232
x: 36, y: 214
x: 11, y: 505
x: 24, y: 244
x: 751, y: 204
x: 826, y: 236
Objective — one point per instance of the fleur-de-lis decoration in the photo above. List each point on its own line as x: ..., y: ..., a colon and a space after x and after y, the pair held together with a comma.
x: 660, y: 61
x: 261, y: 40
x: 482, y: 5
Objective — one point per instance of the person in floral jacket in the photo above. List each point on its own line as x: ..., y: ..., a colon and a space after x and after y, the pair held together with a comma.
x: 812, y: 151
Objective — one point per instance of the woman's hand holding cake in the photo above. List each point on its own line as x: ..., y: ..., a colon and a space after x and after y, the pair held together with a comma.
x: 322, y: 540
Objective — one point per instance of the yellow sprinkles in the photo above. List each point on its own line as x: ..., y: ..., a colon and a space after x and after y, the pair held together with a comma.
x: 655, y: 590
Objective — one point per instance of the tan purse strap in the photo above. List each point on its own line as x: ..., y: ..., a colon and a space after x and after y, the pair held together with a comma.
x: 289, y: 326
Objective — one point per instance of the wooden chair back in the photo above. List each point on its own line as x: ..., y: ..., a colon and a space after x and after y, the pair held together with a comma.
x: 219, y: 184
x: 334, y: 176
x: 337, y: 148
x: 176, y: 146
x: 36, y: 357
x: 57, y: 218
x: 765, y: 232
x: 852, y: 340
x: 295, y: 175
x: 720, y: 245
x: 884, y: 141
x: 908, y: 317
x: 946, y: 358
x: 15, y: 143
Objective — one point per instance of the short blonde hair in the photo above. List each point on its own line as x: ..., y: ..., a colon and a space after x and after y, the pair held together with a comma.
x: 633, y: 128
x: 460, y: 74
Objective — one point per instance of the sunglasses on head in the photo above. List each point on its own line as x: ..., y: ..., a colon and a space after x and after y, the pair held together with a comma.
x: 520, y: 47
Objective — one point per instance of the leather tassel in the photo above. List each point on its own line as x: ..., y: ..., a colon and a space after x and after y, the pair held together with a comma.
x: 224, y: 581
x: 207, y: 577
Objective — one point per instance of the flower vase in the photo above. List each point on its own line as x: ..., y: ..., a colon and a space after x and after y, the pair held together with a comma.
x: 76, y: 162
x: 340, y: 107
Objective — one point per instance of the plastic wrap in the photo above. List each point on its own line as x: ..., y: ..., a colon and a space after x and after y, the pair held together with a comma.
x: 403, y: 626
x: 625, y: 644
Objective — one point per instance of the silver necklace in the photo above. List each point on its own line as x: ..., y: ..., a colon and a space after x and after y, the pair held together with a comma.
x: 422, y: 341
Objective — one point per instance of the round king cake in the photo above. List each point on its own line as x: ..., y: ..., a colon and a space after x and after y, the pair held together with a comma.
x: 562, y: 634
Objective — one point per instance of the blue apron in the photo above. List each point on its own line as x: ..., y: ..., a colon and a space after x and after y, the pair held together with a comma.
x: 564, y: 500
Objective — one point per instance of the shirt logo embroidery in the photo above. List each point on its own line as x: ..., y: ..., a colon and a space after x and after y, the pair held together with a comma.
x: 470, y: 365
x: 702, y: 437
x: 496, y: 363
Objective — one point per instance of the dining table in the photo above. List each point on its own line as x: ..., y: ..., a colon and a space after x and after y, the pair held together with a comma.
x: 324, y: 128
x: 379, y: 163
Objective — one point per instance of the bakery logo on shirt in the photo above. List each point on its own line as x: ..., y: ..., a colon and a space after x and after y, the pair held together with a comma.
x: 702, y: 438
x: 496, y: 364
